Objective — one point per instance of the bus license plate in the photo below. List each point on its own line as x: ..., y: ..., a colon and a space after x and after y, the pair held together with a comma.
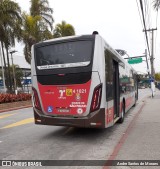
x: 63, y: 110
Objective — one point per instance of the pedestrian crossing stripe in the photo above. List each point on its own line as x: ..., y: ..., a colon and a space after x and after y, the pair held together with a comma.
x: 6, y: 115
x: 19, y: 123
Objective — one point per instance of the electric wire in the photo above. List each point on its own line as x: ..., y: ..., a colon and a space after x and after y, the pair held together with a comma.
x: 139, y: 13
x: 144, y: 24
x: 156, y: 32
x: 148, y: 14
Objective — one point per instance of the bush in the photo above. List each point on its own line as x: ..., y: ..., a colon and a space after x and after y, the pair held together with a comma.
x: 6, y: 98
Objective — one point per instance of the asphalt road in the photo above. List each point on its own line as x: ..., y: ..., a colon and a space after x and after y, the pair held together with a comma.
x: 21, y: 139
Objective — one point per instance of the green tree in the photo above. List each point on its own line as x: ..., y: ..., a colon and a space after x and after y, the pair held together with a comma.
x: 157, y: 76
x: 18, y: 74
x: 10, y: 28
x: 35, y: 25
x: 41, y: 8
x: 34, y: 30
x: 63, y: 29
x: 156, y: 4
x: 29, y: 34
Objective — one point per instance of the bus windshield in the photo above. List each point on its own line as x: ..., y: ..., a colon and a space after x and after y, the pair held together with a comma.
x: 64, y: 54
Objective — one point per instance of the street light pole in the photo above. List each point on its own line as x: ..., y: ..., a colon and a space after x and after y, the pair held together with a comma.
x: 14, y: 75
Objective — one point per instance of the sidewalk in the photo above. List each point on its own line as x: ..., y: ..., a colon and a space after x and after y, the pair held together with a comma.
x: 15, y: 105
x: 143, y: 141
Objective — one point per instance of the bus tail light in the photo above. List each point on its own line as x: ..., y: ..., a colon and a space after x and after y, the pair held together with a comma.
x: 96, y: 99
x: 36, y: 99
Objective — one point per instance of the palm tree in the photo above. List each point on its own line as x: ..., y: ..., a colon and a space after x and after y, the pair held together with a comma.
x: 10, y: 22
x: 156, y: 4
x: 35, y: 25
x: 34, y: 30
x: 157, y: 76
x: 63, y: 29
x: 30, y: 29
x: 41, y: 8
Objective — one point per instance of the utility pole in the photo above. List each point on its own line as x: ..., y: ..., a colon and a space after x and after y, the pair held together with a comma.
x: 147, y: 62
x: 152, y: 54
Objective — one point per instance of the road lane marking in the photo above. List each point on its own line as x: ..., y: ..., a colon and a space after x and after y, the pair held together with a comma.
x: 19, y: 123
x: 6, y: 115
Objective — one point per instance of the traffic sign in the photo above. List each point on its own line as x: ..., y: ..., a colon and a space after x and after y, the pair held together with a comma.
x: 135, y: 60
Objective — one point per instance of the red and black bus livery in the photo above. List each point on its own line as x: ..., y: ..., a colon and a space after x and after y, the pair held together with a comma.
x: 81, y: 81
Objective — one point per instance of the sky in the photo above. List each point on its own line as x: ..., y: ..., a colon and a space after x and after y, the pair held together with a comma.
x: 117, y: 21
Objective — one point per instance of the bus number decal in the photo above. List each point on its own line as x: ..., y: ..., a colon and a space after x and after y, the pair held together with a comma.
x: 81, y: 91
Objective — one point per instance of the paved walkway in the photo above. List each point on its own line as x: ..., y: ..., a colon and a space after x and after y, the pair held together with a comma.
x: 143, y: 140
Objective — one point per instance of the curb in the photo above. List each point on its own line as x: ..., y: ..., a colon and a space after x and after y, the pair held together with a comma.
x: 16, y: 108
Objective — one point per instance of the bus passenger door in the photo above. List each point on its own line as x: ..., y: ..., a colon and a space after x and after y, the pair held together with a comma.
x: 116, y: 92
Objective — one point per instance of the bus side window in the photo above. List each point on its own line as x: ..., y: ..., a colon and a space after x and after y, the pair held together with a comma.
x: 109, y: 75
x: 132, y: 81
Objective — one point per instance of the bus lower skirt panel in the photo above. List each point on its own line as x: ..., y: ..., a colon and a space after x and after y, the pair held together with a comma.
x: 93, y: 120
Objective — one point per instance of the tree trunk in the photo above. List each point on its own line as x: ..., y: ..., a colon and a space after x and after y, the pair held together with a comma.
x: 9, y: 74
x: 5, y: 67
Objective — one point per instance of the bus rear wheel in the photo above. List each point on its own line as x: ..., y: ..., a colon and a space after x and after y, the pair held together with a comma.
x: 135, y: 101
x: 122, y: 114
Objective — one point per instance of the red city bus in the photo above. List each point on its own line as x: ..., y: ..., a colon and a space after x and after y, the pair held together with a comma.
x: 80, y: 81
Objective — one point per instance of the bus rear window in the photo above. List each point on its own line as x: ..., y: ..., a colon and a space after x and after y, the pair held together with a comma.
x: 62, y: 55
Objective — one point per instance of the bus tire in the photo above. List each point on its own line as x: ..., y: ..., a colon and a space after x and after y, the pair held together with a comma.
x: 122, y: 114
x: 135, y: 101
